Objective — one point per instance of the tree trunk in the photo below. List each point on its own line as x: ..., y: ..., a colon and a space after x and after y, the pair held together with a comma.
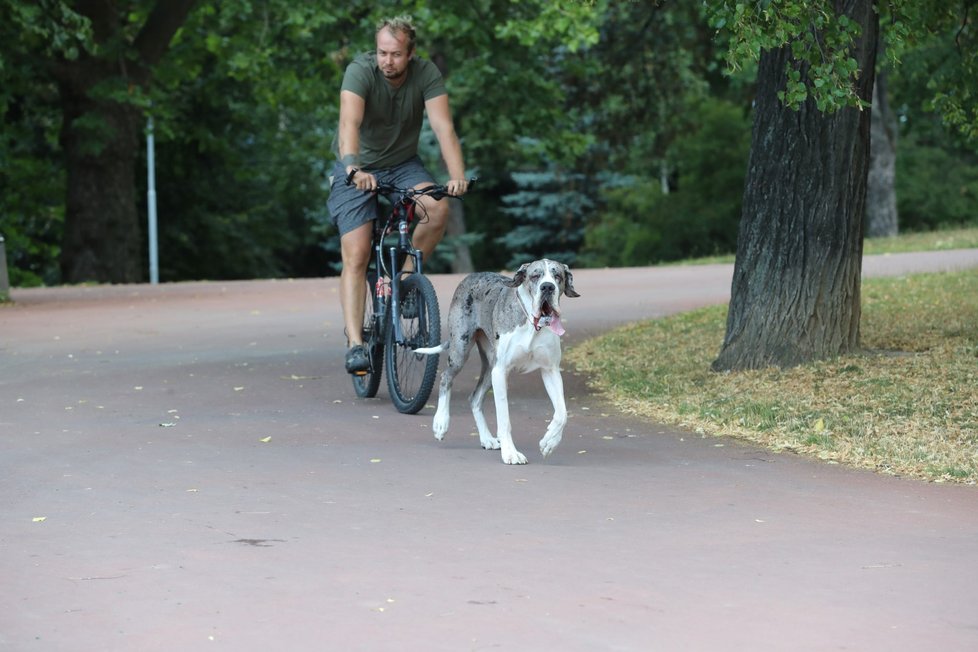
x: 881, y: 204
x: 102, y: 233
x: 100, y: 141
x: 462, y: 256
x: 796, y: 286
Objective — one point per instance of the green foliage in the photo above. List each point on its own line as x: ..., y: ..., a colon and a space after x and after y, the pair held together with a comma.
x: 820, y: 42
x: 31, y: 177
x: 548, y: 211
x: 572, y: 24
x: 243, y: 142
x: 937, y: 186
x: 642, y: 225
x: 545, y: 95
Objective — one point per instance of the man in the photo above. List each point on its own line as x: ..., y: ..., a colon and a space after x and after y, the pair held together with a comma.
x: 382, y: 102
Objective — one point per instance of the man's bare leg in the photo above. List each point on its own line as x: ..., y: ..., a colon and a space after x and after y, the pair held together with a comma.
x: 355, y: 250
x: 428, y: 234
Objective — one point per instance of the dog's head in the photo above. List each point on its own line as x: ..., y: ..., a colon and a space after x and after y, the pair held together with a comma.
x: 545, y: 281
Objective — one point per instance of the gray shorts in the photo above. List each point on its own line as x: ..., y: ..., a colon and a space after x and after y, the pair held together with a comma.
x: 349, y: 207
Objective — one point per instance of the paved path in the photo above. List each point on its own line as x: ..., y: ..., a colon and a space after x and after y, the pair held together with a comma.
x: 184, y: 467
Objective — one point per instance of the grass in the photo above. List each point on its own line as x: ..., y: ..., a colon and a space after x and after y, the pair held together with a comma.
x: 907, y: 405
x: 943, y: 240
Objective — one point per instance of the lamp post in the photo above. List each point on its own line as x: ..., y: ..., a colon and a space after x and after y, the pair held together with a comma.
x: 154, y: 261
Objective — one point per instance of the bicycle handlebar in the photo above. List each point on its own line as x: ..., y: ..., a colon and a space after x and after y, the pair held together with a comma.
x: 435, y: 191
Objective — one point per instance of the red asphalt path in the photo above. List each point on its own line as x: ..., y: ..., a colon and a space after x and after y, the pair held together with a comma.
x: 185, y: 467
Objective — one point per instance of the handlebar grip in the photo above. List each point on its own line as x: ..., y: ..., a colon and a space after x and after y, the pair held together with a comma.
x: 349, y: 177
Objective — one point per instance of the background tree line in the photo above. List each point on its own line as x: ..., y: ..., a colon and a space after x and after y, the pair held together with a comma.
x: 603, y: 133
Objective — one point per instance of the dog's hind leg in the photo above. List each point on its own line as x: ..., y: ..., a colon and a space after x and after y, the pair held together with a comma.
x: 555, y: 431
x: 478, y: 398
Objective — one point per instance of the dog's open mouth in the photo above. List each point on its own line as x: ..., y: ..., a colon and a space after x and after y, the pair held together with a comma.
x: 549, y: 316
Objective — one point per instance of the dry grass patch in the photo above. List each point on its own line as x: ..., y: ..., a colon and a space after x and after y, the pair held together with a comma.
x: 908, y: 405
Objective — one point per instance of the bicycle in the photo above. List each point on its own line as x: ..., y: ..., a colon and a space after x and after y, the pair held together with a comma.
x: 401, y: 310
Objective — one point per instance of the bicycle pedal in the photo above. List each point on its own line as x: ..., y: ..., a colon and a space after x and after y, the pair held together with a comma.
x: 360, y: 373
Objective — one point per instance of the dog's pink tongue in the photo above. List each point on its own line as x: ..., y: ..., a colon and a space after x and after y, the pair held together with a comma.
x: 556, y: 326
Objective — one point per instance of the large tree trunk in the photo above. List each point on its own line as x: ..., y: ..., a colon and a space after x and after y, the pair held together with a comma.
x: 881, y: 204
x: 796, y: 287
x: 100, y: 141
x: 102, y: 227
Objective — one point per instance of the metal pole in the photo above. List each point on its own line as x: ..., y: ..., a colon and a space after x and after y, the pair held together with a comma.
x: 4, y: 279
x: 154, y: 261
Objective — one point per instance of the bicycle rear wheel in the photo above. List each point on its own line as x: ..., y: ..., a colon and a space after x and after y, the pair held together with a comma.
x: 366, y: 385
x: 410, y: 375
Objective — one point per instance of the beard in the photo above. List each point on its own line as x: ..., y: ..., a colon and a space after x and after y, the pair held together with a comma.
x: 393, y: 74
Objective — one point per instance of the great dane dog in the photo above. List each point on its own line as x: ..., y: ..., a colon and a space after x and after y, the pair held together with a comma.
x: 516, y: 324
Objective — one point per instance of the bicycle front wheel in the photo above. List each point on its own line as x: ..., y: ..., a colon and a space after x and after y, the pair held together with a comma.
x: 410, y: 375
x: 366, y: 384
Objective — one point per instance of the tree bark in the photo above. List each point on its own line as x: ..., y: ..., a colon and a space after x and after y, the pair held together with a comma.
x: 881, y: 203
x: 795, y: 295
x: 462, y: 256
x: 100, y: 142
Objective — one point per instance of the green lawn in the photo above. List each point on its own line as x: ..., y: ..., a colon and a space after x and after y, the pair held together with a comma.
x: 907, y: 405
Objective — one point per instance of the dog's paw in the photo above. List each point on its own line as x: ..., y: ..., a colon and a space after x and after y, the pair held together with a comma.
x: 548, y: 444
x: 489, y: 443
x: 439, y: 427
x: 513, y: 457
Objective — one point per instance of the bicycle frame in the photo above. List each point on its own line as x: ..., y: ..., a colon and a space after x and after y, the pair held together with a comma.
x: 402, y: 214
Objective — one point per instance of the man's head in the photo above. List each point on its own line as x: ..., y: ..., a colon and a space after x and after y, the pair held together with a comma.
x: 395, y: 46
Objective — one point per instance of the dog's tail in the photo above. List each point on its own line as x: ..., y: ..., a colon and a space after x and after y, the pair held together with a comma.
x: 432, y: 350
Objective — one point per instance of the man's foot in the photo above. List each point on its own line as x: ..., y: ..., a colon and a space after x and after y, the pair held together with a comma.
x: 357, y: 361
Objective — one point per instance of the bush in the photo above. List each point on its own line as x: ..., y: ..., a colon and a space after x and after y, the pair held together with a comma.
x: 936, y: 186
x: 642, y: 225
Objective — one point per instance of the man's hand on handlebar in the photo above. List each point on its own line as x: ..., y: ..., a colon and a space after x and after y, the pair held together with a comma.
x: 362, y: 179
x: 457, y: 187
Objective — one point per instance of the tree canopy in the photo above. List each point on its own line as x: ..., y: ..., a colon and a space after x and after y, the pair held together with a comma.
x: 588, y: 123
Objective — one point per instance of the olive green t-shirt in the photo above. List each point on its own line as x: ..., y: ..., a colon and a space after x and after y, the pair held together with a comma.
x: 392, y: 116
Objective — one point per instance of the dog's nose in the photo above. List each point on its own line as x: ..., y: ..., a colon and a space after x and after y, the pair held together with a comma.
x: 547, y: 288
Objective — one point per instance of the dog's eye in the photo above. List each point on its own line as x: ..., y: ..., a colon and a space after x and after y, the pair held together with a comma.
x: 535, y: 276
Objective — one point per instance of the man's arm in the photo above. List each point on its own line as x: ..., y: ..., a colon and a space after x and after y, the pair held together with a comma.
x: 440, y: 119
x: 351, y: 116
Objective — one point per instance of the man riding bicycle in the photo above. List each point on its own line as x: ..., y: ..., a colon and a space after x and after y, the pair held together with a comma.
x: 383, y: 99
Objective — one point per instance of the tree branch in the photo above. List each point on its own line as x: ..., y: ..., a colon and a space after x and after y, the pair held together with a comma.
x: 163, y: 22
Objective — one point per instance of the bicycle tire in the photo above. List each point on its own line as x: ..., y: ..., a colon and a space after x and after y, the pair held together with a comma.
x: 410, y: 375
x: 374, y: 336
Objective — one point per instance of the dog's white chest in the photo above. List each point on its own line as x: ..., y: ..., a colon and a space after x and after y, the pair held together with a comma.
x: 526, y: 349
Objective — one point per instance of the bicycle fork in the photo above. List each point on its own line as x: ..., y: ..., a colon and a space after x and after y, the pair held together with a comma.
x: 396, y: 285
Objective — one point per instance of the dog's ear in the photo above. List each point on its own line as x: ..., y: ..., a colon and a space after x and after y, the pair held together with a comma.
x: 519, y: 277
x: 569, y: 283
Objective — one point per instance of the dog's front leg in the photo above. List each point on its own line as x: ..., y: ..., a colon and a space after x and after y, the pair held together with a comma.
x: 555, y: 431
x: 504, y: 430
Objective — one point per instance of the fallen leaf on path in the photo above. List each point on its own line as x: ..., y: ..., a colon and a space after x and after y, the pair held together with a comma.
x: 39, y: 519
x: 265, y: 440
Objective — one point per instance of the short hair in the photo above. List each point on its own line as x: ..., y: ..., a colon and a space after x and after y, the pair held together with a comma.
x: 402, y: 24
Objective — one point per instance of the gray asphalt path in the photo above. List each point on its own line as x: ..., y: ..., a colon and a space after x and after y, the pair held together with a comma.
x: 185, y: 467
